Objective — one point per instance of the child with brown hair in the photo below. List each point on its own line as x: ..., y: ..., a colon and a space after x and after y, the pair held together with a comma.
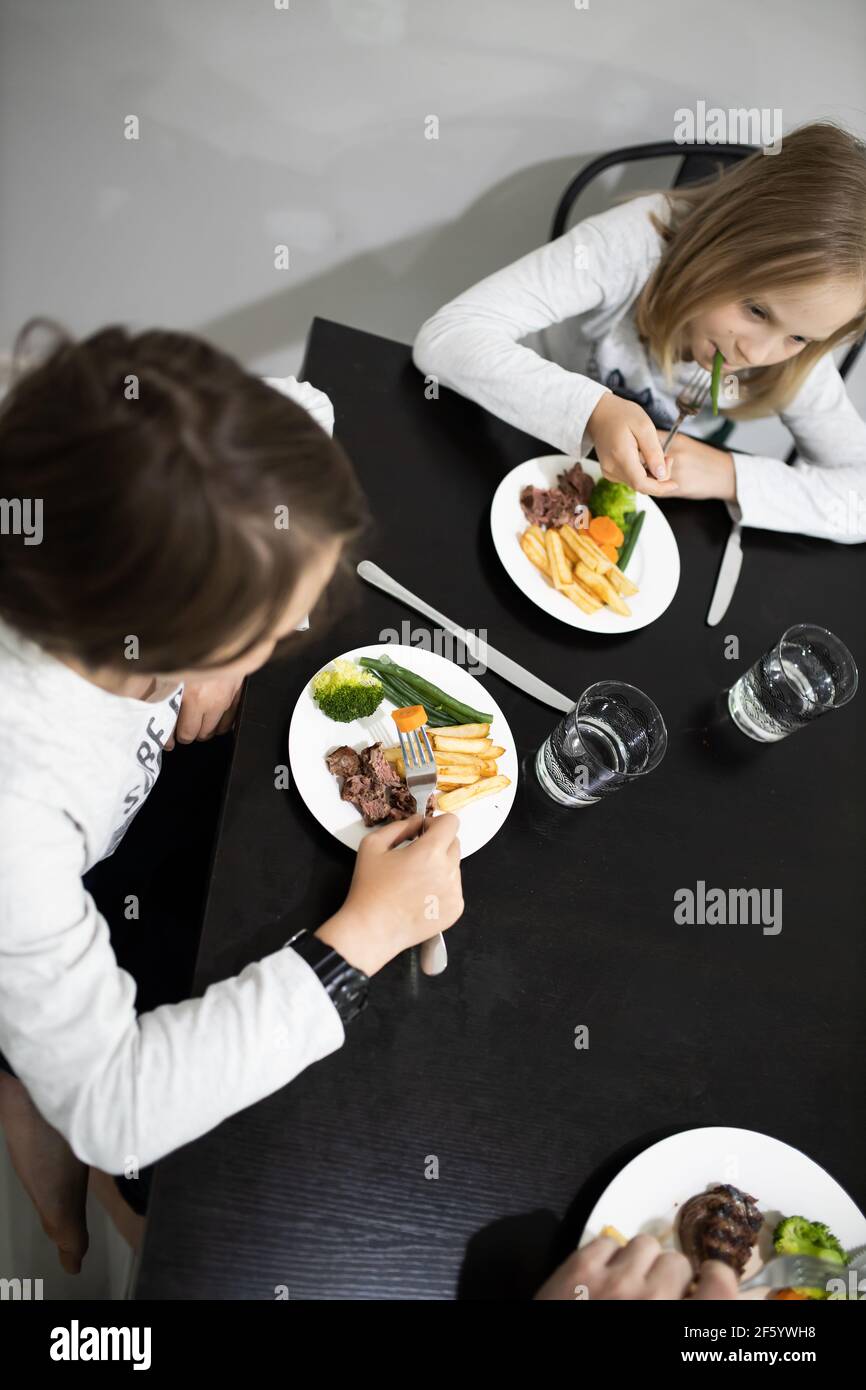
x: 159, y: 580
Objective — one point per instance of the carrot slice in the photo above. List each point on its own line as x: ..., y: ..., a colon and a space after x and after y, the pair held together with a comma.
x: 409, y: 717
x: 604, y: 530
x: 610, y: 551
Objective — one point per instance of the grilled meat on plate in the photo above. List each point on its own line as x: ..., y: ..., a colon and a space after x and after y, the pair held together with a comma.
x: 720, y: 1224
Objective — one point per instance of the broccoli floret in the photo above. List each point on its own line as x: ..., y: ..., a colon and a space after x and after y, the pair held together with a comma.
x: 797, y: 1236
x: 612, y: 499
x: 344, y: 691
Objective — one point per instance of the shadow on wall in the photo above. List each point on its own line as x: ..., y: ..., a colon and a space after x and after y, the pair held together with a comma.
x: 393, y: 289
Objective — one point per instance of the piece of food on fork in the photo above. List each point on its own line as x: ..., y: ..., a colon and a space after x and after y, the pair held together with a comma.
x: 419, y: 765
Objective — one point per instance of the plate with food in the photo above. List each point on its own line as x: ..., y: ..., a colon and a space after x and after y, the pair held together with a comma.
x: 344, y: 747
x: 734, y: 1195
x: 593, y: 553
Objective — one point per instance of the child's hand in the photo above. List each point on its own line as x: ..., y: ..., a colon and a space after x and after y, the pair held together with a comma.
x: 628, y: 447
x: 700, y: 470
x: 398, y: 897
x: 207, y: 707
x: 639, y: 1271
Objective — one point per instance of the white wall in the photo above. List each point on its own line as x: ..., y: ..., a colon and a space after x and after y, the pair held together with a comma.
x: 307, y: 127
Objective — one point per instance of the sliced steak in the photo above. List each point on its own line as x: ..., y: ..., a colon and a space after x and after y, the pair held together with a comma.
x: 357, y: 786
x: 374, y: 762
x: 372, y: 785
x: 402, y: 802
x: 575, y: 481
x: 343, y: 762
x: 721, y: 1224
x: 545, y: 506
x: 551, y: 506
x: 375, y: 807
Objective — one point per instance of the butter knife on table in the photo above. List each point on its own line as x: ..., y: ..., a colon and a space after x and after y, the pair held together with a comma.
x: 729, y: 573
x: 482, y: 652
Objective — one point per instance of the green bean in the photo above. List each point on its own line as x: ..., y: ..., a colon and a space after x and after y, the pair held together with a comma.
x: 716, y: 380
x: 401, y: 696
x: 631, y: 540
x: 425, y: 690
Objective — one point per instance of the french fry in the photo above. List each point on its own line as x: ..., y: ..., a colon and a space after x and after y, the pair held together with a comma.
x: 584, y: 548
x: 569, y: 538
x: 613, y: 574
x: 573, y: 541
x: 586, y: 591
x: 584, y: 600
x: 463, y: 796
x: 462, y: 762
x: 534, y: 550
x: 614, y: 1234
x: 571, y: 560
x: 619, y: 605
x: 456, y: 778
x: 591, y: 546
x: 620, y: 582
x: 467, y: 759
x: 452, y: 762
x: 443, y: 743
x: 457, y: 759
x: 560, y: 568
x: 600, y: 586
x: 466, y: 730
x: 594, y: 581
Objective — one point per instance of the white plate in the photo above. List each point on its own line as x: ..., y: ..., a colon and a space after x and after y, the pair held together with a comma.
x: 645, y: 1197
x: 312, y: 735
x: 654, y: 566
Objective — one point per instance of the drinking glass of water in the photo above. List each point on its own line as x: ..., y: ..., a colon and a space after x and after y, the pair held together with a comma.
x: 614, y: 734
x: 807, y: 673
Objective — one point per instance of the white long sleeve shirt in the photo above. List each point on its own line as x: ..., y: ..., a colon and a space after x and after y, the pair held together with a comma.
x: 585, y: 284
x: 76, y: 763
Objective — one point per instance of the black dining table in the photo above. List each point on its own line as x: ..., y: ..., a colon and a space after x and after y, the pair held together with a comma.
x: 455, y: 1145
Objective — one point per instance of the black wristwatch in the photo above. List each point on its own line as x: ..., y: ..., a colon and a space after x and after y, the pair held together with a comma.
x: 347, y: 986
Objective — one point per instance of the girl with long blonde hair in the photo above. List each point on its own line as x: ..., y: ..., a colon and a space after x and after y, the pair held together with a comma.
x: 765, y: 264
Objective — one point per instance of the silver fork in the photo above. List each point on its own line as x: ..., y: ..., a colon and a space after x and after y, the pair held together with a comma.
x: 691, y: 399
x: 795, y: 1271
x: 420, y: 768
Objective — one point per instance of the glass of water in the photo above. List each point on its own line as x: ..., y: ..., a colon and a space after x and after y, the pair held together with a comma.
x: 614, y: 734
x: 807, y: 673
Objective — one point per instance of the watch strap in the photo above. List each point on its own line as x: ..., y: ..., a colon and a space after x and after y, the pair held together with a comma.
x: 347, y: 986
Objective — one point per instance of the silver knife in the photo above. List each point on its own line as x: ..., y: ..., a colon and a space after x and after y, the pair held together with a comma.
x: 729, y: 573
x: 481, y: 651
